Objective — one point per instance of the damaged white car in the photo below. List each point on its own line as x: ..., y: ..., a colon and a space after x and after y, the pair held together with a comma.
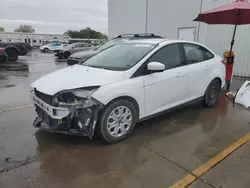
x: 129, y: 82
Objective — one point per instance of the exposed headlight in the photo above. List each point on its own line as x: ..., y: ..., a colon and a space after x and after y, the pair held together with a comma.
x: 75, y: 98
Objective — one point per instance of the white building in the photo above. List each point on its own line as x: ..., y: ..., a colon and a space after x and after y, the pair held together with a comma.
x: 32, y: 38
x: 173, y: 19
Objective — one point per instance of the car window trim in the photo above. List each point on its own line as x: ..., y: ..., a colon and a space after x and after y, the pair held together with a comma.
x: 142, y: 67
x: 205, y: 49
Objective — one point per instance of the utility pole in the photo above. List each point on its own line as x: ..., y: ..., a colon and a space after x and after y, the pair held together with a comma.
x: 146, y: 19
x: 198, y: 32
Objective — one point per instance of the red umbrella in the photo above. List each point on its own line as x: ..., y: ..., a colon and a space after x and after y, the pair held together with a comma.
x: 236, y: 13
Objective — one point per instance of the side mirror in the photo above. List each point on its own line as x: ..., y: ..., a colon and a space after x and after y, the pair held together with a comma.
x: 155, y: 67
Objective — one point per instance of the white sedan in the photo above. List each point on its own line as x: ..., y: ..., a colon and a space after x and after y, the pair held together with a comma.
x: 124, y: 84
x: 52, y: 47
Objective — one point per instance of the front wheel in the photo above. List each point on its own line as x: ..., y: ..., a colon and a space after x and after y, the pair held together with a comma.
x: 212, y: 94
x: 118, y: 121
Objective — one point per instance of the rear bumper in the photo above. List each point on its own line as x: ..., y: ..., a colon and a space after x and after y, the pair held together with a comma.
x: 56, y: 52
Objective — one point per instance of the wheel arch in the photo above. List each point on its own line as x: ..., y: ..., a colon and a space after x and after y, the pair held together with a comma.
x: 130, y: 99
x: 219, y: 79
x: 12, y: 48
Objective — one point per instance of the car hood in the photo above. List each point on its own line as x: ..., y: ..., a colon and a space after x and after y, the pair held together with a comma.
x: 79, y: 55
x: 77, y: 76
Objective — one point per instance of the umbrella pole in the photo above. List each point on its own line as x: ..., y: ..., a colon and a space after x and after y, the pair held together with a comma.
x: 232, y: 43
x: 230, y: 60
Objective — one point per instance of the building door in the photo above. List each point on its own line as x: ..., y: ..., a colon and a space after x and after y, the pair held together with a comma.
x: 186, y: 33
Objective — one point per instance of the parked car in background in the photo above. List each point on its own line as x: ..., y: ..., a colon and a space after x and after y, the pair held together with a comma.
x: 126, y: 83
x: 56, y: 52
x: 14, y: 49
x: 52, y: 47
x: 28, y: 46
x: 73, y: 48
x: 82, y: 56
x: 3, y: 56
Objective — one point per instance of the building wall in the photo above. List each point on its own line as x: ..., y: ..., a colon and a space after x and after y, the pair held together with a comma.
x: 218, y: 38
x: 165, y: 17
x: 126, y: 16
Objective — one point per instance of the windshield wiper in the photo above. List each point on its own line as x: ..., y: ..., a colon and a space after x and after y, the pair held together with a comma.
x: 106, y: 68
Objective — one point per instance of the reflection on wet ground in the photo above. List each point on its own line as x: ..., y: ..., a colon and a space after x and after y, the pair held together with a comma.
x: 186, y: 138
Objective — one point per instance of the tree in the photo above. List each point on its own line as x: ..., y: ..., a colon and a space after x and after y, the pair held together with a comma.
x: 2, y: 29
x: 87, y: 33
x: 25, y: 29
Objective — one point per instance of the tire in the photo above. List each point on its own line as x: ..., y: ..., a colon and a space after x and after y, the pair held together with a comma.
x: 46, y: 50
x: 12, y: 54
x: 66, y: 55
x: 114, y: 134
x: 211, y: 97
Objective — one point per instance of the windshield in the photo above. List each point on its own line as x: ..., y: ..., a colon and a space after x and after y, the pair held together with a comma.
x: 120, y: 57
x: 109, y: 43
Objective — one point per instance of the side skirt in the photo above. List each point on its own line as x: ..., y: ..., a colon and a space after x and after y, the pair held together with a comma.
x: 172, y: 109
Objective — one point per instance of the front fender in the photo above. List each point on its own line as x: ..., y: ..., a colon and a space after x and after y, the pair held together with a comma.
x: 129, y: 88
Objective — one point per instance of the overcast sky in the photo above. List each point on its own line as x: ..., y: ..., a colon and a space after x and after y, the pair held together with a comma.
x: 54, y: 16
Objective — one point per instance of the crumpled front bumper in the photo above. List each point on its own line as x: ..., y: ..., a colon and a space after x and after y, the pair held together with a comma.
x: 73, y: 120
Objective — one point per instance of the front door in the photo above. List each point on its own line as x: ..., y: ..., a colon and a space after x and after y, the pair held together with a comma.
x: 166, y: 89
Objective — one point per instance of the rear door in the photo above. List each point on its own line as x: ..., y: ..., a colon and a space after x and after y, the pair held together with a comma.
x: 166, y: 89
x: 198, y: 70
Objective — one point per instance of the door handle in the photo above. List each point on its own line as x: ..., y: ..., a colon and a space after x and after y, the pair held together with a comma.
x: 179, y: 75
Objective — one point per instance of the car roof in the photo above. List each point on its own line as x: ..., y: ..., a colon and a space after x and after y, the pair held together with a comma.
x: 148, y: 41
x: 162, y: 41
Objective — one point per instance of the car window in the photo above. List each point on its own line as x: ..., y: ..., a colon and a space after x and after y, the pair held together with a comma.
x: 120, y: 57
x: 111, y: 42
x: 169, y: 55
x: 208, y: 54
x: 77, y: 45
x: 84, y: 45
x: 58, y: 44
x: 194, y: 53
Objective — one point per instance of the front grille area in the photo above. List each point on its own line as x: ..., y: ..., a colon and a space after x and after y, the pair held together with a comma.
x: 44, y: 97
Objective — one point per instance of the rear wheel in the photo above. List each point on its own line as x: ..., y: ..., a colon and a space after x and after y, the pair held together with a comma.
x: 12, y: 54
x: 211, y: 96
x: 117, y: 121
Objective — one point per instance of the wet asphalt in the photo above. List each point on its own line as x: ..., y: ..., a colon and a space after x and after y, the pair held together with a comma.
x: 160, y: 152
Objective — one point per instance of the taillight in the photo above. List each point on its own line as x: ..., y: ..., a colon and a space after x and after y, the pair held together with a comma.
x: 2, y: 50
